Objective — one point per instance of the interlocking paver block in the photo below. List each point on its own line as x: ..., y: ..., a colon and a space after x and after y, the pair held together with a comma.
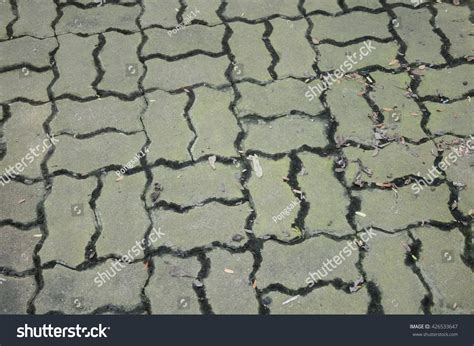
x: 328, y: 201
x: 12, y: 195
x: 328, y: 6
x: 35, y: 18
x: 28, y: 49
x: 160, y: 12
x: 228, y: 286
x: 203, y: 10
x: 451, y: 83
x: 201, y: 226
x: 70, y: 221
x: 285, y: 134
x: 76, y: 65
x: 251, y: 9
x: 195, y: 184
x: 215, y: 125
x: 16, y: 292
x: 25, y: 84
x: 16, y: 248
x: 450, y: 118
x: 6, y: 16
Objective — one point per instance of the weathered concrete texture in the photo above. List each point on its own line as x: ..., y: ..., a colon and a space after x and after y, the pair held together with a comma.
x: 76, y: 65
x: 123, y: 70
x: 166, y: 127
x: 77, y: 292
x: 35, y: 18
x: 6, y: 16
x: 455, y: 24
x: 192, y: 38
x: 170, y: 289
x: 19, y: 201
x: 197, y: 69
x: 327, y: 6
x: 162, y: 12
x: 392, y: 210
x: 26, y: 124
x: 28, y: 49
x: 415, y: 29
x: 442, y: 267
x: 97, y: 19
x: 450, y: 118
x: 203, y: 225
x: 16, y: 292
x: 401, y: 290
x: 72, y: 221
x: 23, y: 82
x: 285, y: 134
x: 402, y: 116
x: 106, y: 113
x: 82, y: 156
x: 291, y: 265
x: 251, y: 9
x: 451, y: 83
x: 20, y: 256
x: 127, y: 223
x: 296, y: 56
x: 374, y: 25
x: 351, y: 111
x: 350, y: 58
x: 328, y: 201
x: 228, y: 287
x: 204, y: 10
x: 411, y: 159
x: 246, y: 43
x: 323, y: 301
x: 271, y: 196
x: 195, y: 184
x: 214, y: 123
x: 277, y: 98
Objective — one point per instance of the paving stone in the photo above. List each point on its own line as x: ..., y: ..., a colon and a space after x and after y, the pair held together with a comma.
x: 322, y: 301
x: 194, y: 184
x: 203, y: 225
x: 301, y: 260
x: 25, y: 155
x: 6, y: 16
x: 328, y: 201
x: 166, y: 127
x: 16, y: 292
x: 328, y: 6
x: 122, y: 71
x: 270, y: 205
x: 444, y: 271
x: 351, y: 111
x: 35, y: 18
x: 16, y: 248
x: 214, y: 123
x: 80, y: 292
x: 401, y: 290
x: 455, y: 24
x: 411, y: 159
x: 25, y: 84
x: 230, y: 293
x: 207, y: 10
x: 296, y: 56
x: 194, y: 37
x: 246, y: 43
x: 250, y: 9
x: 170, y: 289
x: 184, y: 73
x: 402, y: 116
x: 28, y: 49
x: 393, y: 211
x: 70, y: 220
x: 285, y: 134
x: 450, y: 118
x: 277, y: 98
x: 97, y: 19
x: 347, y: 59
x: 362, y: 24
x: 82, y: 156
x: 160, y: 12
x: 12, y: 195
x: 451, y: 83
x: 105, y: 113
x: 414, y: 28
x: 127, y: 222
x: 76, y: 65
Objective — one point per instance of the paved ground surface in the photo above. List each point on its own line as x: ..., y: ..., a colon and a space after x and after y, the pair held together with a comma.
x: 228, y: 141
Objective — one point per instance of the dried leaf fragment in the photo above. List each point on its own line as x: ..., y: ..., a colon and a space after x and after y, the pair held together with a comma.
x: 230, y: 271
x: 212, y: 161
x: 256, y: 165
